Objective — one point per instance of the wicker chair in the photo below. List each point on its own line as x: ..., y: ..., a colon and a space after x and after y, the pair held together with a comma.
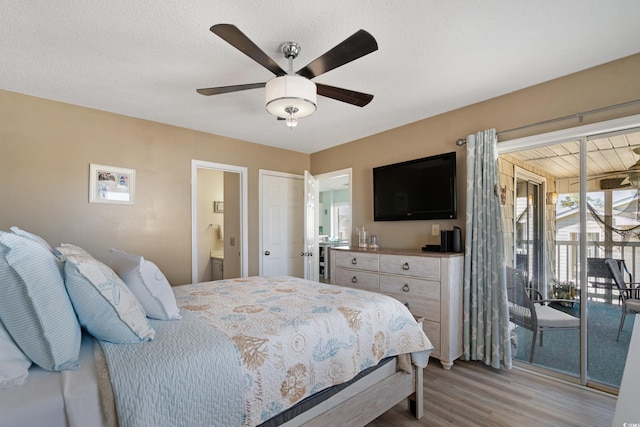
x: 534, y: 313
x: 629, y: 296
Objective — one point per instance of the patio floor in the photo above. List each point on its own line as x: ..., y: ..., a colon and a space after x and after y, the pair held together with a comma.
x: 560, y: 351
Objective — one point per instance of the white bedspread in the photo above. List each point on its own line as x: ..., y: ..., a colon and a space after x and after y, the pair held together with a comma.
x: 297, y: 337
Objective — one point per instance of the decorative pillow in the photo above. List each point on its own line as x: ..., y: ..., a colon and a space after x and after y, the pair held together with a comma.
x: 14, y: 365
x: 70, y: 249
x: 31, y: 236
x: 104, y: 304
x: 34, y: 305
x: 147, y: 283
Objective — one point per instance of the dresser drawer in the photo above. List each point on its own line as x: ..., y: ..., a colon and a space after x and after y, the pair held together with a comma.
x: 357, y: 279
x: 422, y: 296
x: 416, y: 266
x: 358, y: 260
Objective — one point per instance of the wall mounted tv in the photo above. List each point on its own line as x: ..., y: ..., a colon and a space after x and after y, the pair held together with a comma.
x: 416, y: 189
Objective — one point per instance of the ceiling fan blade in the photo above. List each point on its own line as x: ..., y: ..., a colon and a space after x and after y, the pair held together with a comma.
x: 358, y: 45
x: 345, y: 95
x: 236, y: 38
x: 226, y: 89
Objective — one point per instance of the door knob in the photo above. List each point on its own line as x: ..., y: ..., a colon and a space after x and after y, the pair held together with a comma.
x: 267, y: 253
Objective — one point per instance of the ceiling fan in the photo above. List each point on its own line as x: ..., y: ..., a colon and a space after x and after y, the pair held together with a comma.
x: 291, y: 95
x: 633, y: 173
x: 621, y: 178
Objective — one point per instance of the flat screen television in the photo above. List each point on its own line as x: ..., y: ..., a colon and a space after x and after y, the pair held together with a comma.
x: 416, y: 189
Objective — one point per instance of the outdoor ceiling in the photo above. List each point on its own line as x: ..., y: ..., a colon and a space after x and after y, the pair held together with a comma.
x: 607, y: 156
x: 146, y: 58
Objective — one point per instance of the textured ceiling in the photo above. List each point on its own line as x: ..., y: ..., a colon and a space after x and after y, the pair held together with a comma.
x: 146, y: 58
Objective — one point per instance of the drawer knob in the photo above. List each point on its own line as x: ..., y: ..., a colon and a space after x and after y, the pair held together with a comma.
x: 354, y: 261
x: 405, y: 266
x: 405, y: 288
x: 354, y: 279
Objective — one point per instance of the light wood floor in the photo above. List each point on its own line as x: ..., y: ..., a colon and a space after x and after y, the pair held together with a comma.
x: 472, y: 394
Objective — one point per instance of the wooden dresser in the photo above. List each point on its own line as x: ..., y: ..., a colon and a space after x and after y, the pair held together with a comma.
x: 430, y: 283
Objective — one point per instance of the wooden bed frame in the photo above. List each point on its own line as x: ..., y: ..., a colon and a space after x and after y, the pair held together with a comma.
x: 367, y: 399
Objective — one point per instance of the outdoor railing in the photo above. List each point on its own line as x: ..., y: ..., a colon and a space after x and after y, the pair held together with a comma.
x: 567, y: 256
x: 566, y: 261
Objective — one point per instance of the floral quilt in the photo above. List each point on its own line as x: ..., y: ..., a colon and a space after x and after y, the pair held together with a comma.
x: 296, y: 337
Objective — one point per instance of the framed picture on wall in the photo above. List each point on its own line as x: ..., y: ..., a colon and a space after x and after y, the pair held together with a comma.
x: 218, y: 207
x: 110, y: 184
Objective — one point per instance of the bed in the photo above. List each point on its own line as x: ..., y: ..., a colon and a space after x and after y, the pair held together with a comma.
x: 248, y: 352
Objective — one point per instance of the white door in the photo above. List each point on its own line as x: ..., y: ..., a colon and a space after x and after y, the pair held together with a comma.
x: 312, y: 212
x: 282, y: 232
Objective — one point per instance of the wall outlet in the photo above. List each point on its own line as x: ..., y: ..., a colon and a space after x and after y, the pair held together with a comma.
x: 435, y: 229
x: 232, y: 241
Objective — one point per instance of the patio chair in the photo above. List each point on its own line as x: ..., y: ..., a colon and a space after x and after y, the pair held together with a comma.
x: 629, y: 295
x: 534, y: 313
x: 599, y: 276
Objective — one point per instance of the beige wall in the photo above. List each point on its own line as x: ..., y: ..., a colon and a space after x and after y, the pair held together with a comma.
x: 45, y: 151
x: 602, y: 86
x: 46, y: 148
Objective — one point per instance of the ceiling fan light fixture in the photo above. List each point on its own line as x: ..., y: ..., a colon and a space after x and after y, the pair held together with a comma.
x: 291, y: 118
x: 290, y: 92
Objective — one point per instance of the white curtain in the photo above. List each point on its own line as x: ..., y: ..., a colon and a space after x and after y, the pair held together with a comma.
x: 485, y: 312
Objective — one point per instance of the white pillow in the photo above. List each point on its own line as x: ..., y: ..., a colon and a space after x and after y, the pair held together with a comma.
x: 147, y: 283
x: 14, y: 365
x: 34, y: 305
x: 104, y: 304
x: 70, y: 249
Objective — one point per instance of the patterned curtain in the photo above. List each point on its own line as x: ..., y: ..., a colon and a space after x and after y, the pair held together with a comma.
x: 485, y: 311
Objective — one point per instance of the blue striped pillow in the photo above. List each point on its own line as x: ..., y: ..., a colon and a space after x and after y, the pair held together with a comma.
x: 34, y: 305
x: 106, y: 307
x: 34, y: 237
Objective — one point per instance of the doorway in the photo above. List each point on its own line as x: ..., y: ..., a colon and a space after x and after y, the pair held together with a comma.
x: 529, y: 225
x: 335, y: 214
x: 219, y: 221
x: 279, y: 190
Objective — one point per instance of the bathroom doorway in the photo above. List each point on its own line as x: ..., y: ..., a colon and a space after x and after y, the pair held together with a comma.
x: 334, y: 222
x: 218, y: 221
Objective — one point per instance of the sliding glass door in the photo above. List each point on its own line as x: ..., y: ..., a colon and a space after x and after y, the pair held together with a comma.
x: 567, y: 207
x: 613, y: 228
x: 546, y: 251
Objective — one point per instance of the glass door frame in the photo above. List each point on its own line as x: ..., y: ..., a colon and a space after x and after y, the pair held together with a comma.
x: 578, y: 133
x: 536, y: 214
